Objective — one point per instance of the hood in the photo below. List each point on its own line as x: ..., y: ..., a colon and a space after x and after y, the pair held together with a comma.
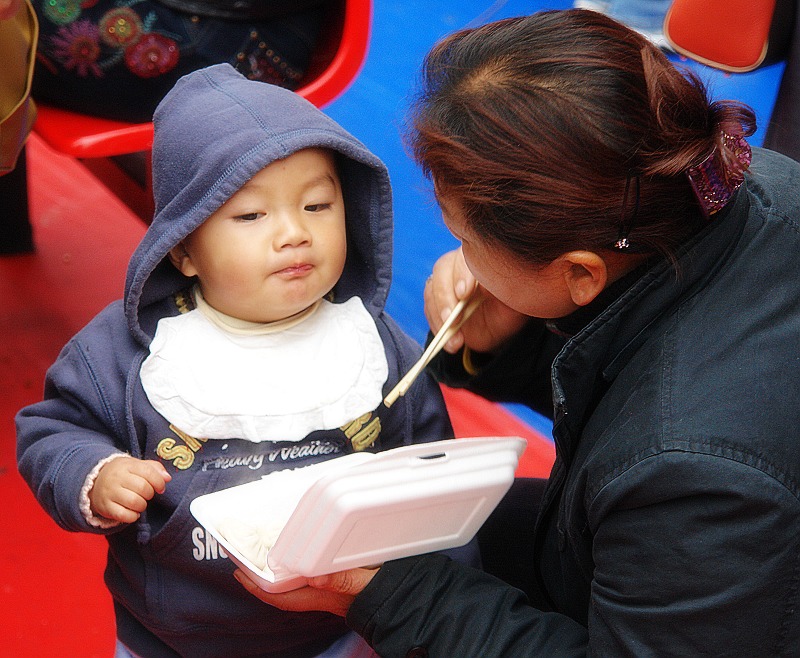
x: 213, y: 131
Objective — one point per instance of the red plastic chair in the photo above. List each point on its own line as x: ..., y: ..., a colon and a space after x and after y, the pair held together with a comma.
x: 336, y: 63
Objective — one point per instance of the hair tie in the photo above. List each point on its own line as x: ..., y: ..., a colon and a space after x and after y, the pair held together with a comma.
x: 716, y: 179
x: 626, y: 225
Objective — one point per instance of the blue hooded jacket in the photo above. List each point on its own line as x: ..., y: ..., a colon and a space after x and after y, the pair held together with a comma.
x: 172, y: 586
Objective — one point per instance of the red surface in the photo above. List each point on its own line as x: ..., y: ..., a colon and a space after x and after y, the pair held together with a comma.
x: 709, y: 31
x: 52, y: 596
x: 474, y: 416
x: 83, y: 136
x: 350, y: 53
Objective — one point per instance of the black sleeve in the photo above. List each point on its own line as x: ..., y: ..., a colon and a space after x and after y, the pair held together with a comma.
x: 453, y: 610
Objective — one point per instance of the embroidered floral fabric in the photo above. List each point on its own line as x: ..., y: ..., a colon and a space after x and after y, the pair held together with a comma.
x: 119, y: 58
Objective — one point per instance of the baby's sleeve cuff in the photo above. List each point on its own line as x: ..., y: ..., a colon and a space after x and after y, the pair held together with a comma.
x: 85, y: 506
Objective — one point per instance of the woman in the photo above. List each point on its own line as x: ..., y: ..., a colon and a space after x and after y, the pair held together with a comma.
x: 645, y: 286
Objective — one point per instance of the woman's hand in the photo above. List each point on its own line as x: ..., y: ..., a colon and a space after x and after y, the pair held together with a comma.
x: 124, y: 486
x: 492, y: 323
x: 331, y: 593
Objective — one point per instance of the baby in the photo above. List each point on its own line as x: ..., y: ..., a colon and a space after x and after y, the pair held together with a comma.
x: 252, y: 338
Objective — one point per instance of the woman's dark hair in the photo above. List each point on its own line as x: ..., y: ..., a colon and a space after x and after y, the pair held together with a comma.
x: 533, y: 126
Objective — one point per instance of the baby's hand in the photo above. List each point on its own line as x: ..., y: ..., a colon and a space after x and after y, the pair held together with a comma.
x: 123, y: 487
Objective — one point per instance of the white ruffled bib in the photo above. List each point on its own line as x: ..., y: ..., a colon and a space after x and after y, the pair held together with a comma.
x: 318, y: 374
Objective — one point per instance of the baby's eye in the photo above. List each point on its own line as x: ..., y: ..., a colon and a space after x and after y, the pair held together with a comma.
x: 317, y: 207
x: 249, y: 217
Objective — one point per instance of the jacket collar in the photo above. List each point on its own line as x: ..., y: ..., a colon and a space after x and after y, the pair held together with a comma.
x: 596, y: 355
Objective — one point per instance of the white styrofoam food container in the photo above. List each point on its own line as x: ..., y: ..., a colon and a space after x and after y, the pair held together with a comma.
x: 364, y: 508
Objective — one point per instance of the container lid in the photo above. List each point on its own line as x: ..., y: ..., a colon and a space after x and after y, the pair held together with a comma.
x: 365, y: 508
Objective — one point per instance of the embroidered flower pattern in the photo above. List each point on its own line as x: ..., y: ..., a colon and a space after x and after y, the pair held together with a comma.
x: 263, y: 69
x: 121, y: 27
x: 258, y: 61
x: 77, y: 45
x: 152, y: 55
x: 61, y: 12
x: 98, y: 43
x: 120, y: 35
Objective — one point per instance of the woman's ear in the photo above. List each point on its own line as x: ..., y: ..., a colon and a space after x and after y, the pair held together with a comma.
x: 180, y: 258
x: 586, y: 274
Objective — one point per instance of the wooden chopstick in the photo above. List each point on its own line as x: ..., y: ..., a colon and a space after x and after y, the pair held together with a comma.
x: 458, y: 316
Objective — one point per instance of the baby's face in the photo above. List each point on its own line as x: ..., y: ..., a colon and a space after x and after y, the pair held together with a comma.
x: 277, y: 245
